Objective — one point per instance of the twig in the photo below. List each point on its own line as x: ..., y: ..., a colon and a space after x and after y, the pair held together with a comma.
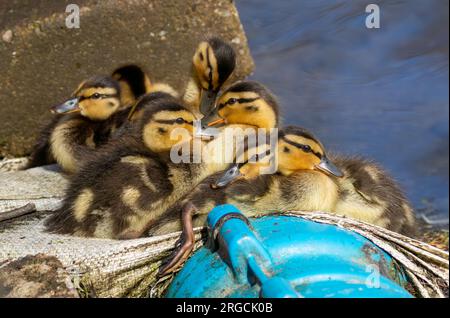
x: 15, y: 213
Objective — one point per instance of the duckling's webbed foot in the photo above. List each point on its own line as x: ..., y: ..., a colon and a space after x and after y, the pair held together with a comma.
x: 186, y: 242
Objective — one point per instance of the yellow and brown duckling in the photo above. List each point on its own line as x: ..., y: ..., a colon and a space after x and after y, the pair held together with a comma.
x: 135, y: 83
x: 247, y: 104
x: 243, y: 109
x: 82, y: 123
x: 213, y: 63
x: 306, y: 179
x: 309, y: 180
x: 91, y: 117
x: 130, y: 183
x: 354, y: 187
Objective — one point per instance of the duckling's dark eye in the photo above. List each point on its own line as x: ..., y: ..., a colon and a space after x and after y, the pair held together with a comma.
x: 286, y: 149
x: 306, y: 148
x: 179, y: 121
x: 95, y: 96
x: 232, y: 101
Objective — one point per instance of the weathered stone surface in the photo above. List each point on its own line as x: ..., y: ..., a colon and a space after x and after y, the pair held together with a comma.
x: 36, y: 276
x: 42, y: 60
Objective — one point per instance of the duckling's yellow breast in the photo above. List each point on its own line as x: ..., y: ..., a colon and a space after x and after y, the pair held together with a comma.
x: 314, y: 191
x: 62, y: 145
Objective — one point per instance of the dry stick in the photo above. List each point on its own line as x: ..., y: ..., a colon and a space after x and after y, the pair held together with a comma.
x: 26, y: 209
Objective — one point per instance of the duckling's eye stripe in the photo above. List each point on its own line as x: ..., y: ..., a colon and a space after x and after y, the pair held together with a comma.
x: 172, y: 121
x: 99, y: 96
x: 301, y: 147
x: 246, y: 100
x: 239, y: 100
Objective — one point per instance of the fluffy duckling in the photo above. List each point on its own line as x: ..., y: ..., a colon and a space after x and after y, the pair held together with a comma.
x: 130, y: 183
x: 82, y: 123
x: 245, y: 109
x: 354, y: 187
x: 213, y: 62
x: 306, y: 179
x: 246, y: 104
x: 91, y: 117
x: 135, y: 83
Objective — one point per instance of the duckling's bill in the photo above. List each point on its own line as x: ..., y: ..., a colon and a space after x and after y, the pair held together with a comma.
x: 326, y: 166
x: 207, y: 101
x: 205, y: 130
x: 69, y: 106
x: 228, y: 177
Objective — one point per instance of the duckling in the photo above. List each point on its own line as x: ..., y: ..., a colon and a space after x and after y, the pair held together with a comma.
x: 99, y: 107
x: 81, y: 124
x: 129, y: 183
x: 306, y: 179
x: 244, y: 109
x: 213, y: 63
x: 247, y: 104
x: 134, y: 83
x: 353, y: 187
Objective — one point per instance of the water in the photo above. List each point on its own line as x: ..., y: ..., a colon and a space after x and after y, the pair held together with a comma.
x: 382, y: 93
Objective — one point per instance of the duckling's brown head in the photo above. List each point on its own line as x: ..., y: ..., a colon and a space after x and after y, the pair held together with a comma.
x: 298, y: 149
x: 164, y: 122
x: 248, y: 103
x: 96, y: 98
x: 214, y: 61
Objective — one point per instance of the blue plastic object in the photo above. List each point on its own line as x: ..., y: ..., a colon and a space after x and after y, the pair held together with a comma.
x: 283, y: 256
